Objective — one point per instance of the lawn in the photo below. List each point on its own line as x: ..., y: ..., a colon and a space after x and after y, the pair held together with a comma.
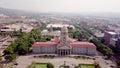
x: 40, y: 65
x: 86, y: 66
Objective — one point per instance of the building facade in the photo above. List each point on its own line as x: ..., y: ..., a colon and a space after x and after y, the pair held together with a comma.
x: 108, y: 35
x: 63, y: 45
x: 50, y: 32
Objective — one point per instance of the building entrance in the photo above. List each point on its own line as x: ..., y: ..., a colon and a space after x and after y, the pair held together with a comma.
x: 64, y: 52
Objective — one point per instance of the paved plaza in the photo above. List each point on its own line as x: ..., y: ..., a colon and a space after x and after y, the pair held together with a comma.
x: 24, y: 61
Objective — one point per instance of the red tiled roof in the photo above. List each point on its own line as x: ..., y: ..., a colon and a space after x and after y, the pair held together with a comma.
x: 37, y: 44
x: 74, y: 44
x: 83, y: 44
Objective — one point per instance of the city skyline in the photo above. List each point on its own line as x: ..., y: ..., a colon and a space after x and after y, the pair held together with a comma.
x: 74, y: 6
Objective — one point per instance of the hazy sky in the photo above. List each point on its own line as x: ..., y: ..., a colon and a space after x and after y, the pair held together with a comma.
x: 63, y: 5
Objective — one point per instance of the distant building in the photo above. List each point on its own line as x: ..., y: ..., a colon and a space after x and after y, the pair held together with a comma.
x: 113, y: 41
x: 98, y: 34
x: 108, y: 35
x: 16, y: 27
x: 63, y: 45
x: 60, y: 25
x: 83, y: 23
x: 50, y: 32
x: 118, y: 44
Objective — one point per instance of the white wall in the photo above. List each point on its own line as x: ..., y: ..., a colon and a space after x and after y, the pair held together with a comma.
x: 89, y: 51
x: 44, y: 49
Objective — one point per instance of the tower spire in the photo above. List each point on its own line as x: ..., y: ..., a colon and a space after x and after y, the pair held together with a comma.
x: 51, y: 28
x: 64, y: 36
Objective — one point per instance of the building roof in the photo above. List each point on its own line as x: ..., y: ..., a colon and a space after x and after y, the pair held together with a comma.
x: 74, y: 44
x: 59, y: 25
x: 83, y: 44
x: 37, y: 44
x: 110, y: 32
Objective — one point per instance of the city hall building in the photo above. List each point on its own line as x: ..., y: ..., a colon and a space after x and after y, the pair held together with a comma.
x: 64, y: 45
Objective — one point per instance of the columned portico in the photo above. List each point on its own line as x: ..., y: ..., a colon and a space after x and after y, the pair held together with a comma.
x: 64, y: 52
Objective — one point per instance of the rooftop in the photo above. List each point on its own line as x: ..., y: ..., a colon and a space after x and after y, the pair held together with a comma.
x: 111, y: 32
x: 37, y: 44
x: 74, y: 44
x: 83, y: 44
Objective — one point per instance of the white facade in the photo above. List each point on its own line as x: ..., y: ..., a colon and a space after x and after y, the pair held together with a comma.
x: 59, y: 25
x: 91, y: 51
x: 54, y: 33
x: 77, y: 50
x: 44, y: 49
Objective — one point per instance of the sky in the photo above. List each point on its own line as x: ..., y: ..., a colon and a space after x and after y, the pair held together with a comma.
x: 63, y: 5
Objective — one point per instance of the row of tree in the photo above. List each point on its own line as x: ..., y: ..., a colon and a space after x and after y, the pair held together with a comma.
x: 75, y: 34
x: 78, y: 34
x: 102, y: 48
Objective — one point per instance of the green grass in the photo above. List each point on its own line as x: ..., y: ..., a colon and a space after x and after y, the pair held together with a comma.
x: 40, y: 65
x: 86, y: 66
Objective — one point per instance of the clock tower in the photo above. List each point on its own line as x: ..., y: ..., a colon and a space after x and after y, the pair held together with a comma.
x: 64, y: 48
x: 64, y: 36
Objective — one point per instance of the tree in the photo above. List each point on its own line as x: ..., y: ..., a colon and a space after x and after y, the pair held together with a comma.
x: 9, y: 50
x: 22, y: 45
x: 23, y: 50
x: 43, y: 39
x: 49, y: 65
x: 31, y: 40
x: 48, y: 38
x: 10, y: 57
x: 118, y: 62
x: 102, y: 48
x: 0, y: 58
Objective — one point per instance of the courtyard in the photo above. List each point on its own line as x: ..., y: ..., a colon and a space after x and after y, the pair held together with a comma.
x: 25, y: 61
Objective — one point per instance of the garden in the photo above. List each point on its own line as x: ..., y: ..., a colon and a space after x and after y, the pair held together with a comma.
x: 40, y: 65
